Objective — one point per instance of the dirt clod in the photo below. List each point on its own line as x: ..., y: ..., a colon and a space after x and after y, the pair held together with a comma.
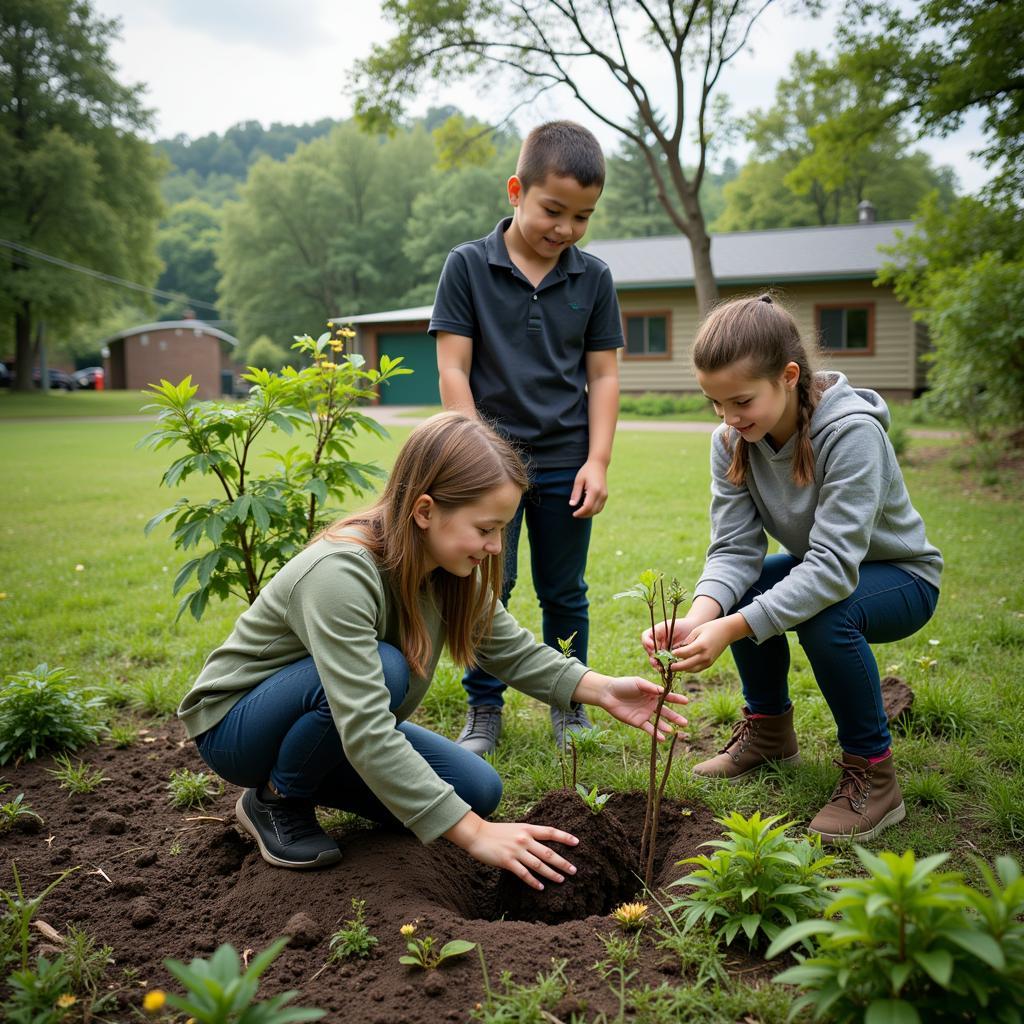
x: 897, y: 698
x: 305, y: 931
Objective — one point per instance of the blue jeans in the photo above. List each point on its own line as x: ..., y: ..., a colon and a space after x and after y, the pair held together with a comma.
x: 888, y: 604
x: 282, y: 730
x: 558, y: 559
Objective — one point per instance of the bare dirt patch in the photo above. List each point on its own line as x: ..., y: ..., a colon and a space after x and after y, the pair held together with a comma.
x: 156, y: 882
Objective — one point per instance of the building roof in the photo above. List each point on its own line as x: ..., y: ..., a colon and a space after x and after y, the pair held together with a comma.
x: 841, y: 252
x: 392, y: 316
x: 196, y: 326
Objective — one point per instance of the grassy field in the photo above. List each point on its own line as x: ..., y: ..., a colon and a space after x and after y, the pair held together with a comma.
x: 83, y: 588
x: 64, y: 404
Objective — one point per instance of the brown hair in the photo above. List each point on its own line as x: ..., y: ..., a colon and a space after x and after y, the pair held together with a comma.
x: 562, y: 148
x: 761, y: 331
x: 456, y: 460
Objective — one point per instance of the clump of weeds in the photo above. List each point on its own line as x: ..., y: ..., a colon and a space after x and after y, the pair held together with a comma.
x: 76, y: 778
x: 193, y: 789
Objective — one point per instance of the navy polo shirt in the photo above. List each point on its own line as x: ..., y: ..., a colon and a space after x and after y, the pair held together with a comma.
x: 529, y: 344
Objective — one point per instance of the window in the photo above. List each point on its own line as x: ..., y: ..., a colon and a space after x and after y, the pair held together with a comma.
x: 647, y: 336
x: 846, y: 328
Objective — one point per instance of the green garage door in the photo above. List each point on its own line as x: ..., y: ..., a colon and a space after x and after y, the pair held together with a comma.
x: 420, y: 356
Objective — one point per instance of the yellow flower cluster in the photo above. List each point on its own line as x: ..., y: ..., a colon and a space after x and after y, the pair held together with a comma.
x: 65, y: 1001
x: 407, y: 930
x: 630, y: 915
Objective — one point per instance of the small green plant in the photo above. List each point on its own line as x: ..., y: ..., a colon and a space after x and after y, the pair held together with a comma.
x: 1002, y: 808
x: 86, y: 961
x: 21, y: 910
x: 13, y: 810
x: 355, y: 938
x: 123, y: 735
x: 698, y: 954
x: 519, y: 1003
x: 422, y: 953
x: 721, y: 707
x: 39, y: 995
x: 193, y: 789
x: 258, y: 522
x: 758, y: 880
x: 620, y: 953
x: 650, y: 589
x: 76, y: 778
x: 219, y: 991
x: 594, y: 800
x: 913, y: 945
x: 45, y: 708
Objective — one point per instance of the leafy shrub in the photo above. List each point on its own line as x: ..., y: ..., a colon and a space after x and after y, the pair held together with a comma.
x: 759, y: 880
x: 45, y: 708
x: 218, y: 990
x: 259, y: 521
x: 654, y: 403
x: 914, y: 945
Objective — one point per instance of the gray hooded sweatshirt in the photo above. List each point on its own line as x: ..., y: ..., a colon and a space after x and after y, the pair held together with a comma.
x: 856, y: 510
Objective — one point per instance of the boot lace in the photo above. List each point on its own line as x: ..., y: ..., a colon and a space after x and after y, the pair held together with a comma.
x: 853, y: 785
x: 742, y: 734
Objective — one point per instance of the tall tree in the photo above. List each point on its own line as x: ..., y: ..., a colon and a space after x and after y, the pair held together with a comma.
x: 794, y: 178
x: 76, y: 182
x: 581, y: 46
x: 187, y: 244
x: 321, y: 234
x: 933, y: 62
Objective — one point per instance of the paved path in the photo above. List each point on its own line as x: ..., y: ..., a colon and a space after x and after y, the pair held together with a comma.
x: 410, y: 415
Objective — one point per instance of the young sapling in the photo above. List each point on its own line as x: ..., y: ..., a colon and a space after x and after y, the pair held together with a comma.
x: 650, y: 588
x: 594, y: 800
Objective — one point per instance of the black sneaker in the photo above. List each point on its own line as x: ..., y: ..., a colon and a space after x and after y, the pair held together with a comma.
x: 286, y: 831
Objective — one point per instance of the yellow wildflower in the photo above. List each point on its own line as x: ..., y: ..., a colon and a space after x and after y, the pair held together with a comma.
x: 407, y: 930
x: 153, y: 1000
x: 64, y: 1001
x: 630, y: 915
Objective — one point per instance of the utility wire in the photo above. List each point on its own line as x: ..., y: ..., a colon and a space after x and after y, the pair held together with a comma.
x: 110, y: 278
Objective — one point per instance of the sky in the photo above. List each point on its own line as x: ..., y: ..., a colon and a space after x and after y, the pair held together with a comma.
x: 209, y: 64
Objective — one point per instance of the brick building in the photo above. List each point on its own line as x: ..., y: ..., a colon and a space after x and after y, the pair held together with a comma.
x: 170, y: 350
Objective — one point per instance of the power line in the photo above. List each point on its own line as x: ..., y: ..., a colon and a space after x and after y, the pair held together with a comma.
x: 109, y: 278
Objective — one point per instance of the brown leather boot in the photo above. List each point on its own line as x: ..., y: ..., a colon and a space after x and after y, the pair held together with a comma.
x: 755, y: 741
x: 866, y: 800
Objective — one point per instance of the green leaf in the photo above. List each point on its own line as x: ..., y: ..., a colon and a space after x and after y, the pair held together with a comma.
x: 984, y: 947
x: 938, y: 963
x: 891, y: 1011
x: 457, y: 947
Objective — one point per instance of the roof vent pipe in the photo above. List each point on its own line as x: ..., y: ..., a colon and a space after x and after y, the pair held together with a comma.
x: 866, y: 212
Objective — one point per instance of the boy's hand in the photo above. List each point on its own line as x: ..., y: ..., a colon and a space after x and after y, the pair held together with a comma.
x: 591, y: 484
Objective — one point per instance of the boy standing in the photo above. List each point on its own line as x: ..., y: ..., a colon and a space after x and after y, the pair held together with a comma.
x: 527, y: 326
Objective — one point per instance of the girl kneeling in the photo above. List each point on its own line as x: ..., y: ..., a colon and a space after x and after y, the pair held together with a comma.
x: 805, y: 459
x: 307, y: 702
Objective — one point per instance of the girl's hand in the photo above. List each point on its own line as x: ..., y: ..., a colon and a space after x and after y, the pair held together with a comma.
x: 659, y: 640
x: 590, y: 486
x: 633, y: 700
x: 516, y: 847
x: 705, y: 644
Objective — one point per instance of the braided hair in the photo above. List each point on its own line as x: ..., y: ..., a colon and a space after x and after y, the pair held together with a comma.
x: 763, y: 332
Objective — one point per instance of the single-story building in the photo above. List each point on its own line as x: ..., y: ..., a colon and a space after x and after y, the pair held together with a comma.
x: 823, y: 275
x: 170, y: 350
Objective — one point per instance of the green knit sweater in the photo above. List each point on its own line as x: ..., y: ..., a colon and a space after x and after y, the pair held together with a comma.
x: 334, y: 603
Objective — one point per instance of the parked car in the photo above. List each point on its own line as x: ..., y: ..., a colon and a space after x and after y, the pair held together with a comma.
x: 59, y: 380
x: 87, y: 378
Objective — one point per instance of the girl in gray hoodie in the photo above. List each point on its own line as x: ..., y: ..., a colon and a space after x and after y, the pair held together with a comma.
x: 802, y: 457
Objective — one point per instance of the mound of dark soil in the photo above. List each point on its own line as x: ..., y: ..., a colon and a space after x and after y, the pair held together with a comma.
x: 606, y: 865
x: 154, y: 882
x: 897, y: 698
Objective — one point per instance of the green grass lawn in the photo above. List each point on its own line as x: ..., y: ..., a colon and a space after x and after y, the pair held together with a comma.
x: 16, y: 405
x: 83, y: 588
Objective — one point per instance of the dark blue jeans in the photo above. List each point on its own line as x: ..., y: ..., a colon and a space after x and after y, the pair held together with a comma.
x: 889, y: 604
x: 282, y: 730
x: 558, y: 560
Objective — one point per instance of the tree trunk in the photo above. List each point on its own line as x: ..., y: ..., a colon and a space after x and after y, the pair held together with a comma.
x: 44, y: 365
x: 23, y: 347
x: 704, y: 281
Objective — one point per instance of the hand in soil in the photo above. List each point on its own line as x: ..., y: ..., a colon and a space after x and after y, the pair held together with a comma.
x: 633, y: 700
x: 514, y: 846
